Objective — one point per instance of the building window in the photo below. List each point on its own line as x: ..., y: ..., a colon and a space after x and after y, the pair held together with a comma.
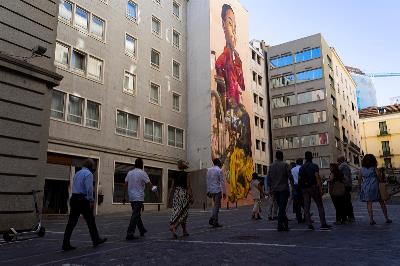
x: 154, y: 93
x: 176, y: 9
x: 81, y: 18
x: 265, y: 169
x: 153, y: 131
x: 309, y: 75
x: 258, y: 59
x: 155, y: 58
x: 333, y: 100
x: 335, y: 122
x: 283, y: 101
x: 255, y: 98
x: 156, y: 25
x: 263, y: 146
x: 176, y: 39
x: 155, y: 175
x: 260, y: 101
x: 287, y: 121
x: 254, y: 76
x: 175, y: 137
x: 383, y: 128
x: 75, y: 109
x: 287, y: 143
x: 130, y: 45
x: 95, y: 67
x: 308, y: 54
x: 253, y: 55
x: 282, y: 81
x: 176, y: 105
x: 92, y: 114
x: 78, y: 60
x: 385, y: 148
x: 312, y: 118
x: 261, y: 123
x: 131, y: 11
x: 259, y: 80
x: 259, y: 168
x: 176, y: 69
x: 62, y: 54
x: 65, y: 11
x: 97, y: 27
x: 257, y: 144
x: 311, y: 96
x: 129, y: 83
x: 387, y: 161
x: 58, y: 104
x: 314, y: 140
x: 127, y: 124
x: 281, y: 61
x: 256, y: 119
x: 120, y: 172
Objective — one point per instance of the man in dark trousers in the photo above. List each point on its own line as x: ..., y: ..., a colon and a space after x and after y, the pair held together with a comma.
x: 278, y: 180
x: 310, y: 183
x: 298, y: 202
x: 216, y: 189
x: 82, y: 202
x: 348, y: 183
x: 135, y: 182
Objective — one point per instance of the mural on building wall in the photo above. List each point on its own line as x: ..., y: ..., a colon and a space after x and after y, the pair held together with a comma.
x: 231, y: 131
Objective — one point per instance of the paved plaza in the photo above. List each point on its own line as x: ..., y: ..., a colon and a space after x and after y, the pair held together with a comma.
x: 241, y: 241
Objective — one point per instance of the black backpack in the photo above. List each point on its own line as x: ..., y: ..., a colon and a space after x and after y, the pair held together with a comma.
x: 307, y: 175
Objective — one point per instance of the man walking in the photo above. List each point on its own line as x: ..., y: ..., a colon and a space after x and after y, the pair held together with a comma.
x: 216, y: 189
x: 310, y: 183
x: 348, y: 183
x: 136, y: 181
x: 278, y: 180
x: 297, y: 194
x: 82, y: 202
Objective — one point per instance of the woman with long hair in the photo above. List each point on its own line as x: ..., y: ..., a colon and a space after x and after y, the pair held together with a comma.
x: 369, y: 184
x: 337, y: 192
x: 181, y: 200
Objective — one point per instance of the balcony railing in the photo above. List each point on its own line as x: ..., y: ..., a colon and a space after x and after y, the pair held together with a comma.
x: 355, y: 147
x: 386, y: 153
x: 383, y: 132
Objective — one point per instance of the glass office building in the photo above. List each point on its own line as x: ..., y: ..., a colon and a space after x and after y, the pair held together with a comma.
x: 366, y: 92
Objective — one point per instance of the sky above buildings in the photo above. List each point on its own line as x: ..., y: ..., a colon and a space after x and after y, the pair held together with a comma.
x: 365, y: 33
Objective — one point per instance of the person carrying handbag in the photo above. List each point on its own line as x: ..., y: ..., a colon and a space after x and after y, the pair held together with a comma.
x: 337, y: 192
x: 369, y: 187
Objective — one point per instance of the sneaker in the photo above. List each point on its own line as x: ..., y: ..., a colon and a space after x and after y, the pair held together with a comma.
x: 99, y: 242
x: 67, y: 247
x: 143, y: 232
x: 325, y: 227
x: 388, y: 221
x: 131, y: 237
x: 216, y: 225
x: 311, y: 227
x: 270, y: 218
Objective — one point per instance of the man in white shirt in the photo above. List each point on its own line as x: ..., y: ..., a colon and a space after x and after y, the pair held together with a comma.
x: 215, y: 189
x: 296, y: 192
x: 136, y: 181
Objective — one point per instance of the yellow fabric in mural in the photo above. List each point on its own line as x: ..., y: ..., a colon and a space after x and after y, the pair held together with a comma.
x: 240, y: 174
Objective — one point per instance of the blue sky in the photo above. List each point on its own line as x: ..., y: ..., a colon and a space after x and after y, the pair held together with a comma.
x: 365, y: 33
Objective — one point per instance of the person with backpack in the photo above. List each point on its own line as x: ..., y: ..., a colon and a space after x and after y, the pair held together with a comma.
x: 348, y: 182
x: 278, y: 181
x: 310, y: 183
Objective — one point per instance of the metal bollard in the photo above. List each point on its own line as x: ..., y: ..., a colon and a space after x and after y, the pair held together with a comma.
x: 158, y: 207
x: 236, y: 204
x: 204, y: 206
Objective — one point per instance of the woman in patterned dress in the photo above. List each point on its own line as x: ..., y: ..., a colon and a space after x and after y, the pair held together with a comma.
x: 181, y: 200
x: 370, y: 178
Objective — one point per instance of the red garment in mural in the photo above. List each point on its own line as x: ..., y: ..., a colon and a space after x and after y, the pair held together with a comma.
x: 229, y: 66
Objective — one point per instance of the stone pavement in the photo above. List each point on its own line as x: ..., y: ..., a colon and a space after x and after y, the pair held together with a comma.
x: 241, y: 241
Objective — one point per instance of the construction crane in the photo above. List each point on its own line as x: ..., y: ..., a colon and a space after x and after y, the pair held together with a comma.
x: 382, y: 75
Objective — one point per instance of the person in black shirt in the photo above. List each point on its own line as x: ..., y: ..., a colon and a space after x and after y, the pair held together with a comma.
x: 310, y: 183
x: 181, y: 200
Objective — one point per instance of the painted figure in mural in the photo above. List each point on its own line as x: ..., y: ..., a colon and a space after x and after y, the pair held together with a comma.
x: 231, y: 124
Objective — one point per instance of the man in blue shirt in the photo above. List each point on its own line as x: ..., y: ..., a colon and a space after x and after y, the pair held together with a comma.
x: 82, y: 202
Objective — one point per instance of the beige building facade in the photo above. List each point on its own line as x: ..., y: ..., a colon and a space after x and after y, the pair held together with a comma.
x: 27, y: 76
x: 123, y: 96
x: 380, y: 134
x: 307, y: 84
